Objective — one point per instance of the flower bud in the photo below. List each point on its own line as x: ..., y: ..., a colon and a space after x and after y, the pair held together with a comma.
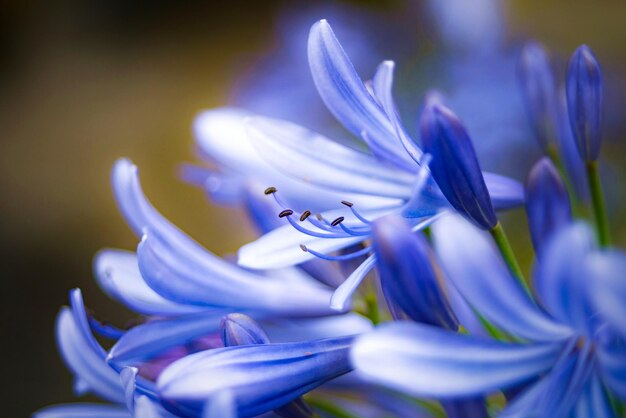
x: 547, y: 203
x: 584, y: 102
x: 240, y: 329
x: 538, y: 93
x: 454, y: 166
x: 407, y: 275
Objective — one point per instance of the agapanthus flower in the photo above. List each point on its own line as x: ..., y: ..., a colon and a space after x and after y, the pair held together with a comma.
x: 392, y: 179
x: 561, y: 351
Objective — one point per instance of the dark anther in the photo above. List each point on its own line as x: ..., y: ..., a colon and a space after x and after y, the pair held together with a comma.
x: 303, y: 248
x: 305, y: 215
x: 319, y: 217
x: 348, y: 204
x: 285, y: 212
x: 337, y: 221
x: 270, y: 190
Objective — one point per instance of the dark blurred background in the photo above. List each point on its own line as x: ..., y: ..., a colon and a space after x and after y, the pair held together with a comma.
x: 85, y: 82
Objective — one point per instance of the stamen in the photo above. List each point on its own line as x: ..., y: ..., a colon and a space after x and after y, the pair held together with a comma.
x: 305, y: 215
x: 346, y: 203
x: 270, y: 190
x: 337, y: 221
x: 286, y: 212
x: 303, y: 248
x: 343, y: 257
x: 357, y: 214
x: 312, y: 233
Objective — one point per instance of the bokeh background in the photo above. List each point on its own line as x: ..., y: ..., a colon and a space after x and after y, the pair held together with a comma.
x: 85, y: 82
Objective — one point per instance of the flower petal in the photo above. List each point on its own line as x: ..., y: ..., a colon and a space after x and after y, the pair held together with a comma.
x: 261, y: 377
x: 593, y: 401
x: 561, y: 277
x: 86, y: 363
x: 213, y: 282
x: 426, y: 361
x: 344, y: 93
x: 147, y: 340
x: 505, y: 192
x: 313, y: 158
x: 608, y: 287
x: 478, y: 272
x: 118, y: 275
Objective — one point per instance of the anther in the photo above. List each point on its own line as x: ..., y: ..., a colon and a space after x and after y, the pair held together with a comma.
x: 305, y: 215
x: 270, y: 190
x: 346, y: 203
x: 304, y: 248
x: 319, y: 217
x: 337, y: 221
x: 286, y: 212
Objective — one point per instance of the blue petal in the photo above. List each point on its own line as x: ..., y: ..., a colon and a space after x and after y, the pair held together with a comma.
x: 83, y: 410
x: 220, y: 405
x: 593, y: 401
x: 147, y: 340
x: 505, y: 192
x: 222, y: 137
x: 293, y: 330
x: 240, y: 329
x: 561, y: 278
x: 176, y: 274
x: 612, y: 365
x: 118, y: 275
x: 608, y: 287
x: 556, y: 393
x: 345, y: 95
x: 315, y: 159
x: 476, y: 269
x: 261, y: 377
x: 341, y: 296
x: 84, y: 356
x: 425, y: 361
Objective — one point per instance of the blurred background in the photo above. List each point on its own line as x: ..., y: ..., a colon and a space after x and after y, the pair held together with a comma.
x: 85, y: 82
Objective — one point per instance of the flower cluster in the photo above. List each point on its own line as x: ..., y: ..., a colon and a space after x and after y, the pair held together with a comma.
x: 383, y: 283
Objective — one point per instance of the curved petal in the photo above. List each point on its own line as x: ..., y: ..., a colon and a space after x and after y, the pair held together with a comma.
x: 83, y: 410
x: 222, y: 136
x: 505, y: 192
x: 478, y: 272
x: 344, y: 93
x: 261, y: 377
x: 220, y: 405
x: 593, y: 401
x: 216, y: 283
x: 608, y: 287
x: 612, y: 365
x: 561, y: 278
x: 426, y: 361
x: 315, y: 159
x: 155, y: 337
x: 86, y: 363
x: 294, y: 330
x: 117, y: 273
x: 383, y: 84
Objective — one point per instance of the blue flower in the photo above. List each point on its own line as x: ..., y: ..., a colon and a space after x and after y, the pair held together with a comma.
x: 392, y: 179
x: 188, y: 288
x: 560, y: 354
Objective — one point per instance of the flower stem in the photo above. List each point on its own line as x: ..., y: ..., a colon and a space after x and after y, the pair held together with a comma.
x: 599, y: 208
x: 497, y: 232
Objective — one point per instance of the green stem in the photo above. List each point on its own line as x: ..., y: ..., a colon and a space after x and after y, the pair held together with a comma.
x: 497, y: 232
x: 599, y: 208
x: 578, y: 208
